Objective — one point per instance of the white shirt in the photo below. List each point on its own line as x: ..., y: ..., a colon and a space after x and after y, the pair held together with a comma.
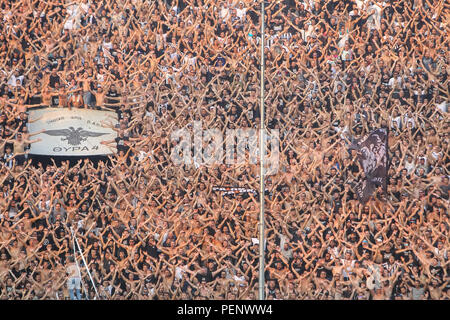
x: 441, y: 253
x: 73, y: 271
x: 84, y: 7
x: 144, y: 155
x: 397, y: 120
x: 410, y: 166
x: 179, y: 272
x: 14, y: 81
x: 107, y: 45
x: 398, y: 80
x: 224, y: 13
x: 241, y: 13
x: 442, y: 106
x: 407, y: 119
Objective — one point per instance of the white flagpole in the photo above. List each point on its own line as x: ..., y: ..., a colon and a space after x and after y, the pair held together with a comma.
x: 85, y: 263
x: 76, y: 263
x: 261, y: 163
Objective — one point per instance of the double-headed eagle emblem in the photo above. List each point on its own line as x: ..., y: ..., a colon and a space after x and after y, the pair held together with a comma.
x: 74, y: 137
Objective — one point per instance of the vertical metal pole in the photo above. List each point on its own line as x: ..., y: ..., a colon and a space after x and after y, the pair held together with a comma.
x: 261, y: 163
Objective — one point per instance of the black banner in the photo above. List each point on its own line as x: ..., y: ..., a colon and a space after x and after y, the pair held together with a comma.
x: 373, y: 158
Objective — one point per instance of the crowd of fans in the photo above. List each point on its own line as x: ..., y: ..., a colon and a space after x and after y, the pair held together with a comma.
x: 335, y: 70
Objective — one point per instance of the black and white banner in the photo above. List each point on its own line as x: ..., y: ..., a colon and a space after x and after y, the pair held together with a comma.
x: 373, y: 158
x: 233, y: 191
x: 75, y: 132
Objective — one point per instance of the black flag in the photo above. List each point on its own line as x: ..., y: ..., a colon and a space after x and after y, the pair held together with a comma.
x: 373, y: 158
